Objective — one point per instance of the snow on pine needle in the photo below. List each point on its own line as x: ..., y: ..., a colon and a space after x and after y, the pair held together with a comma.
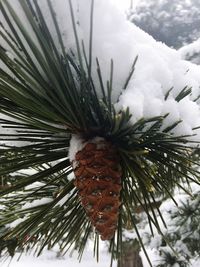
x: 183, y: 231
x: 75, y: 74
x: 158, y: 68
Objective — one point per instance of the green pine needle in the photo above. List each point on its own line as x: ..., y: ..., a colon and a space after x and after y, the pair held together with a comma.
x: 44, y: 108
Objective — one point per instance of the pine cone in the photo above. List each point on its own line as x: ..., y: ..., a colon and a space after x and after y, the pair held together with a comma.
x: 98, y: 180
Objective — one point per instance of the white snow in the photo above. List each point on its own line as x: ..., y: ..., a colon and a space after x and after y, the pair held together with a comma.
x: 158, y: 69
x: 52, y: 258
x: 37, y: 203
x: 172, y: 216
x: 16, y: 222
x: 196, y: 262
x: 77, y: 144
x: 191, y: 51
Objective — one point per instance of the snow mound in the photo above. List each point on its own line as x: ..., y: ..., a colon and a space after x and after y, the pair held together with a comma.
x: 158, y: 68
x: 52, y: 258
x: 191, y: 51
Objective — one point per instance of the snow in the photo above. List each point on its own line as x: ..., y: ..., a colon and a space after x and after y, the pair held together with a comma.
x: 16, y: 222
x: 153, y: 255
x: 77, y: 144
x: 36, y: 203
x: 196, y: 262
x: 52, y: 258
x: 158, y: 69
x: 156, y: 259
x: 125, y: 4
x: 179, y: 228
x: 191, y: 51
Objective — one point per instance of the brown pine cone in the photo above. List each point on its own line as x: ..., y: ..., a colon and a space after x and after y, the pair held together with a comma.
x: 98, y: 180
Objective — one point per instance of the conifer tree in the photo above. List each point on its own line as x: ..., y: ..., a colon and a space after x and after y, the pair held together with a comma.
x: 183, y: 231
x: 53, y: 106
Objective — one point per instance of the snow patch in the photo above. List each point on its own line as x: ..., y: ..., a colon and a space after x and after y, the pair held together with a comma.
x: 52, y: 258
x: 37, y: 202
x: 77, y: 144
x: 158, y: 69
x: 191, y: 51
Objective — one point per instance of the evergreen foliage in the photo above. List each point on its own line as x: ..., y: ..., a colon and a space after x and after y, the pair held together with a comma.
x: 183, y: 232
x: 44, y: 109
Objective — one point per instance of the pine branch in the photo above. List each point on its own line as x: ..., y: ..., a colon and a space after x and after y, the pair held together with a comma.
x: 47, y: 99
